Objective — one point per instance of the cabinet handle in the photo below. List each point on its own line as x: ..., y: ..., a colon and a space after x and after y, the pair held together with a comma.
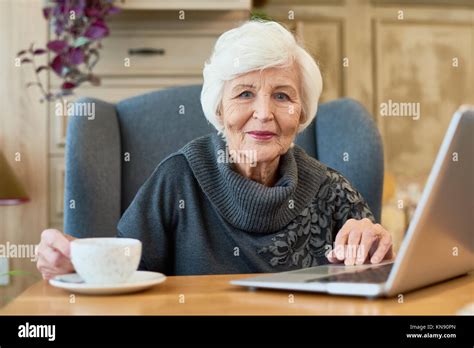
x: 146, y: 51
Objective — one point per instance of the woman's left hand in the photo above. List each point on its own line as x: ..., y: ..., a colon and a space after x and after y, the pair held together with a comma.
x: 360, y: 241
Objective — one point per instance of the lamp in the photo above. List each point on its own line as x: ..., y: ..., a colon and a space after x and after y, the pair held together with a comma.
x: 11, y: 190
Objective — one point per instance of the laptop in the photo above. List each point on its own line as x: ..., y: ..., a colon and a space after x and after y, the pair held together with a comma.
x: 438, y: 245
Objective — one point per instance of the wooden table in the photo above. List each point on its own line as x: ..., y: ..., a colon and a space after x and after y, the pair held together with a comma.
x: 202, y: 295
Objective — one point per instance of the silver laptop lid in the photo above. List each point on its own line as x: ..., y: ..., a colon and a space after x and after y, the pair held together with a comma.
x: 439, y: 243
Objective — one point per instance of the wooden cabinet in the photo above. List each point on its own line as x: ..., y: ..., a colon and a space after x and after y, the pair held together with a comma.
x: 427, y: 64
x: 185, y: 4
x: 157, y: 53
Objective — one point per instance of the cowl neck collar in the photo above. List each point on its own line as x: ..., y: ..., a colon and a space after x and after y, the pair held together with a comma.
x: 247, y: 204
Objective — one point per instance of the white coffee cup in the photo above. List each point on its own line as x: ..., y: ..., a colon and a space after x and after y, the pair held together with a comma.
x: 106, y: 260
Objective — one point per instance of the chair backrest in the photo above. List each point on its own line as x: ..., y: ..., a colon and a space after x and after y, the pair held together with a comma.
x: 108, y: 157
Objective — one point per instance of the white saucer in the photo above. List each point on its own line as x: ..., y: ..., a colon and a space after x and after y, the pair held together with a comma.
x: 140, y: 280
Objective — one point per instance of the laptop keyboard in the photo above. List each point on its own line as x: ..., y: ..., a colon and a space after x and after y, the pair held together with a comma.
x: 378, y: 274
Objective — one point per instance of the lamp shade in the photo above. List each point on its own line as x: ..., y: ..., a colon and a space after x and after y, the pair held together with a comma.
x: 11, y: 190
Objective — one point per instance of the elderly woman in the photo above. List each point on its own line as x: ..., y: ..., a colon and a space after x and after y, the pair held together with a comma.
x: 246, y: 199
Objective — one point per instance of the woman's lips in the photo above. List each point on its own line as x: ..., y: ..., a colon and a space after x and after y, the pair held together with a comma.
x: 261, y: 135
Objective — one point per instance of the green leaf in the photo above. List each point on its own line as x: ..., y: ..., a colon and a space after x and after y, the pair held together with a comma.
x: 80, y: 41
x: 258, y: 14
x: 16, y: 273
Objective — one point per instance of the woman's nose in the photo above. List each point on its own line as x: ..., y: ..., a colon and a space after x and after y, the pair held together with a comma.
x: 263, y: 110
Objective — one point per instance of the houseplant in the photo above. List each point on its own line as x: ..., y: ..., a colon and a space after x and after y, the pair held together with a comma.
x: 77, y: 27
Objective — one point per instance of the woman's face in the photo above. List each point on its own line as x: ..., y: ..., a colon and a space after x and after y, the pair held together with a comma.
x: 261, y: 112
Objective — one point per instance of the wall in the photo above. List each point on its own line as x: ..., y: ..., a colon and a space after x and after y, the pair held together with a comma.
x: 23, y: 131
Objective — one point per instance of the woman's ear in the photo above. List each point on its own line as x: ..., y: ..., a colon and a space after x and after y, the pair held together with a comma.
x: 302, y: 117
x: 219, y: 114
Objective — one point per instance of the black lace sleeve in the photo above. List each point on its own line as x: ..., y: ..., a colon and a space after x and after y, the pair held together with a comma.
x: 348, y: 202
x: 305, y: 241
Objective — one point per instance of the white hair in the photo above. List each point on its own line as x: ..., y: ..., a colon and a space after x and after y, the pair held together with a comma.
x: 257, y: 45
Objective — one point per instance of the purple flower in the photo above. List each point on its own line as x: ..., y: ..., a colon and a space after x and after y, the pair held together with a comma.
x: 57, y: 46
x: 76, y: 42
x: 92, y: 12
x: 57, y: 65
x: 68, y: 85
x: 76, y: 56
x: 97, y: 30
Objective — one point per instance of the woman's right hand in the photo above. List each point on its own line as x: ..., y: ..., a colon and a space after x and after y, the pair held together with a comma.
x: 54, y: 255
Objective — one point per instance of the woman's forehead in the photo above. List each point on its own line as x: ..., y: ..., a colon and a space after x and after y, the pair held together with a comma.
x: 272, y: 77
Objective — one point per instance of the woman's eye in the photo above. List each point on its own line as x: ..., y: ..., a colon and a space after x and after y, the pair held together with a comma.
x: 281, y: 96
x: 246, y: 94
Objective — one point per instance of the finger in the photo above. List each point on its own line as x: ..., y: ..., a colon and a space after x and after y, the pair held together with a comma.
x: 41, y: 264
x: 55, y: 262
x: 383, y: 247
x: 369, y: 237
x: 341, y: 239
x: 41, y: 247
x: 331, y: 256
x: 390, y: 254
x: 44, y: 268
x: 353, y: 243
x: 53, y: 258
x: 56, y: 240
x: 48, y: 275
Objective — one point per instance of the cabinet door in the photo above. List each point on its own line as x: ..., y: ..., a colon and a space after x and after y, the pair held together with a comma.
x: 423, y: 74
x: 323, y: 39
x: 185, y: 4
x: 155, y: 53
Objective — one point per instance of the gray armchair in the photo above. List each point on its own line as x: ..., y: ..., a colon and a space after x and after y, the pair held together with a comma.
x: 109, y: 157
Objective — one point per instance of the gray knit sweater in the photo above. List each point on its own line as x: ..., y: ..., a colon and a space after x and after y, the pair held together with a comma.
x: 196, y: 215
